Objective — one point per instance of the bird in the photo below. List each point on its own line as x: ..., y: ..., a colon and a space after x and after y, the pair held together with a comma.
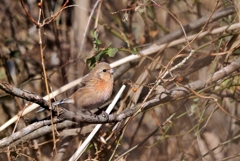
x: 96, y: 88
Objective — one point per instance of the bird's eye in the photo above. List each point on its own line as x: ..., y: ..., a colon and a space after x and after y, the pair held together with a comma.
x: 104, y: 70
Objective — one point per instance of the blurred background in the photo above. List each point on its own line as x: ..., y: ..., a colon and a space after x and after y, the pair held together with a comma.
x: 198, y: 130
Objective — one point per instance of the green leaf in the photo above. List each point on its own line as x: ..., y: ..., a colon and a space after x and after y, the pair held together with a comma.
x: 96, y: 48
x: 134, y: 51
x: 99, y: 55
x: 91, y: 61
x: 98, y: 42
x: 109, y: 51
x: 92, y: 33
x: 112, y: 51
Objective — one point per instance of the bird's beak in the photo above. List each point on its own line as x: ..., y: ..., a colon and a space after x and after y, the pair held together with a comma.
x: 111, y: 71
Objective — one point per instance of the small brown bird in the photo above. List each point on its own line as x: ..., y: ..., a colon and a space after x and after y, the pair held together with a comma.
x: 96, y: 89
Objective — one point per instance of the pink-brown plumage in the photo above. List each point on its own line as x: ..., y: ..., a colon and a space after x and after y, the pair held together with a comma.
x: 96, y: 89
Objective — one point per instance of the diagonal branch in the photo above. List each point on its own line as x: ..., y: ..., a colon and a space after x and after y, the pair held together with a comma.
x: 103, y: 118
x: 24, y: 94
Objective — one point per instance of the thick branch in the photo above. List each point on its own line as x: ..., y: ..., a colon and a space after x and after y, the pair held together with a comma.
x: 37, y: 130
x: 169, y: 96
x: 103, y: 118
x: 24, y: 94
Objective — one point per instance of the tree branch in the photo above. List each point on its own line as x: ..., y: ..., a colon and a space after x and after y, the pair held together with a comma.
x: 64, y: 114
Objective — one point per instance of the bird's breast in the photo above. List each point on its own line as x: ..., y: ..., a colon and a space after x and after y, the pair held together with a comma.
x: 103, y: 89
